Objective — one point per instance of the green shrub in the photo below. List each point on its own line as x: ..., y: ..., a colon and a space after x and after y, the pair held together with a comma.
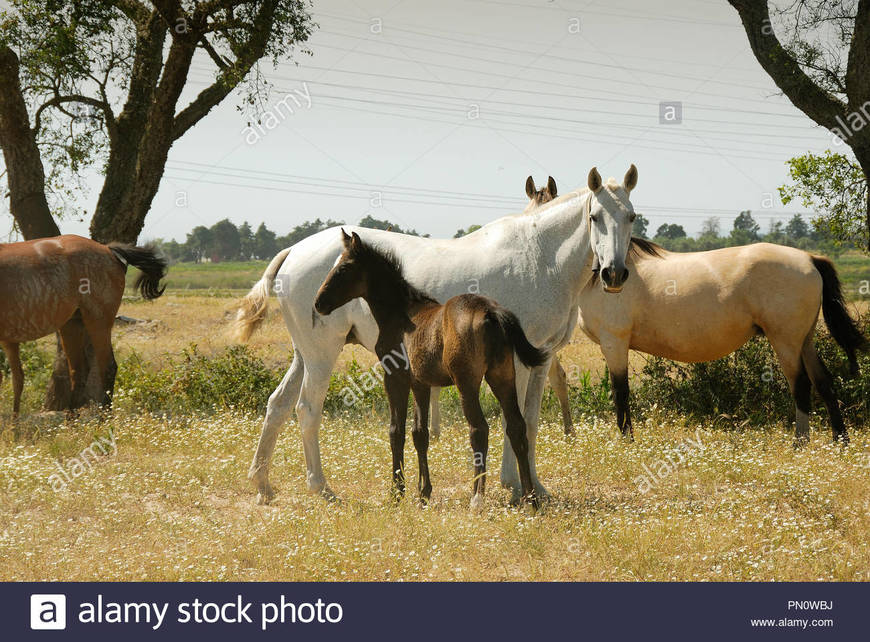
x: 236, y: 378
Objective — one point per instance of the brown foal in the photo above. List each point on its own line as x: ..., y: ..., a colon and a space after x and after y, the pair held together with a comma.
x: 467, y: 339
x: 44, y: 282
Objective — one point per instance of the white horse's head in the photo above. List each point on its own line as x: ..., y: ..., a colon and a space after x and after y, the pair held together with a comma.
x: 611, y: 215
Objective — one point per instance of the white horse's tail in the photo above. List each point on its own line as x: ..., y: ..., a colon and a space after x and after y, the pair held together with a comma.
x: 252, y: 309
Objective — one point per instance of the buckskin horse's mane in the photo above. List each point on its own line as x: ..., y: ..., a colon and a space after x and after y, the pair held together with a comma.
x: 639, y: 249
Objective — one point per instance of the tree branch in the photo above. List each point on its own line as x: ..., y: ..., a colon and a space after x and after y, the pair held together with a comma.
x: 251, y: 51
x: 858, y: 67
x: 785, y: 71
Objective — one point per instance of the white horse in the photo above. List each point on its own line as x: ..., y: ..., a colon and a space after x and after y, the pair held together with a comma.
x: 535, y: 265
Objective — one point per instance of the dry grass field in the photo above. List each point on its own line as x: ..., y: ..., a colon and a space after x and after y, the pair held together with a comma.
x: 169, y: 500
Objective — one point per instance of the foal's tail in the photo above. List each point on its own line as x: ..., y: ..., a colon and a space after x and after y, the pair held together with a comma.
x: 252, y: 309
x: 841, y: 326
x: 149, y: 262
x: 513, y: 336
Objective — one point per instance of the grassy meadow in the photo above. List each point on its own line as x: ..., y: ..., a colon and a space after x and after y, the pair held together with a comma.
x: 156, y: 488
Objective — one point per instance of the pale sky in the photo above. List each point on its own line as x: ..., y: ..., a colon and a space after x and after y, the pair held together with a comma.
x: 446, y: 106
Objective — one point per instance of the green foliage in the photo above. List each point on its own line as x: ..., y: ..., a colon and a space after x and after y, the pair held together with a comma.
x: 670, y: 231
x: 835, y: 186
x: 464, y: 232
x: 194, y: 382
x: 640, y: 227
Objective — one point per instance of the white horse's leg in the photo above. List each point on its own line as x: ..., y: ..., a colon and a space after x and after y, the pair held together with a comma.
x: 532, y: 413
x: 309, y: 411
x: 434, y: 413
x: 510, y: 472
x: 281, y: 402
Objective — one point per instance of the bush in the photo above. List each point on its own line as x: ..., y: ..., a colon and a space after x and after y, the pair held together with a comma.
x: 235, y: 378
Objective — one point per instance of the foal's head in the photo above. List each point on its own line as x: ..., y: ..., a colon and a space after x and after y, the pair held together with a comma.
x: 363, y: 271
x: 611, y: 215
x: 539, y: 196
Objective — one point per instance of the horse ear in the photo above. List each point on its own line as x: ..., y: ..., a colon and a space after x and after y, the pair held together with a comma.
x: 530, y: 187
x: 630, y: 180
x: 356, y: 243
x: 551, y: 186
x: 594, y: 180
x: 345, y: 238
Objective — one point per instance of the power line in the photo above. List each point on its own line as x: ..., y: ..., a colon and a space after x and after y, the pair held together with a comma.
x: 515, y: 50
x: 467, y: 69
x: 502, y: 202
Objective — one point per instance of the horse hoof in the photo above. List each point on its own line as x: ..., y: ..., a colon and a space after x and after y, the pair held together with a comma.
x: 264, y: 499
x: 477, y: 503
x: 842, y: 438
x: 800, y: 442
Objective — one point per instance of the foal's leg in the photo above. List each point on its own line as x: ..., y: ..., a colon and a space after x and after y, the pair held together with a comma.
x: 398, y: 385
x: 469, y: 395
x: 615, y: 352
x: 823, y: 383
x: 13, y: 355
x: 559, y: 382
x: 435, y: 413
x: 501, y: 381
x: 420, y: 434
x: 281, y: 403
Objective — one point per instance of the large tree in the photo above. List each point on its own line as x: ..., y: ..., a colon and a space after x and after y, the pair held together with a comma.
x: 821, y: 63
x: 86, y: 82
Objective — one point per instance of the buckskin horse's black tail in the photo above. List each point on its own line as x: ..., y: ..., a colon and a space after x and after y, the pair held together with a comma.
x: 514, y: 337
x: 152, y: 266
x: 841, y: 326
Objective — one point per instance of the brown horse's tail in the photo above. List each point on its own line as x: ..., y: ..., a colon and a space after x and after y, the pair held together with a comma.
x: 149, y: 262
x: 511, y: 334
x: 253, y: 308
x: 840, y: 324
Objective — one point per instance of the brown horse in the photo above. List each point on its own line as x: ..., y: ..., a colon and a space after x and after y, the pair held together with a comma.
x: 460, y: 343
x: 44, y: 282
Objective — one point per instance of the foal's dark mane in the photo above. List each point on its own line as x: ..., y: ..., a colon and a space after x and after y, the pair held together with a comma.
x: 388, y: 273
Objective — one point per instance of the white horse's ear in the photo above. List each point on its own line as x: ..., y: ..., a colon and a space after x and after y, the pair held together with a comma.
x: 530, y: 187
x: 594, y: 180
x: 551, y: 186
x: 345, y: 238
x: 356, y: 241
x: 630, y: 180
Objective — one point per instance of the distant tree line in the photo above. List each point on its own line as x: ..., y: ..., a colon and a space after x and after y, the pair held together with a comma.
x: 745, y: 230
x: 224, y: 241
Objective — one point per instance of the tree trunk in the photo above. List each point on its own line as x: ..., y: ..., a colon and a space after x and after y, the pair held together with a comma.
x: 862, y: 154
x: 25, y: 172
x: 29, y: 206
